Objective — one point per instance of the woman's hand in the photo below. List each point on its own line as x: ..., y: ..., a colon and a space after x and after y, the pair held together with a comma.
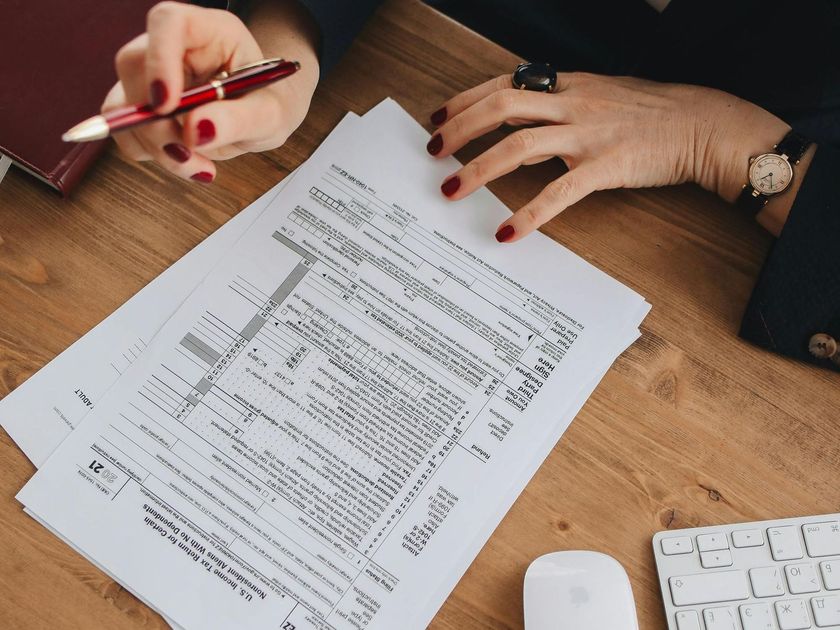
x: 185, y: 46
x: 612, y: 132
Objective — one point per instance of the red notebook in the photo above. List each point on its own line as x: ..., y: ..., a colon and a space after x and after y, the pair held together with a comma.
x: 56, y: 66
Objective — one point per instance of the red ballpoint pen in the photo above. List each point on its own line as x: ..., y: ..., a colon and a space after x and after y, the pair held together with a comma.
x: 225, y: 85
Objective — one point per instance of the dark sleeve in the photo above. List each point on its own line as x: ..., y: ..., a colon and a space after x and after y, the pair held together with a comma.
x: 339, y: 22
x: 798, y: 291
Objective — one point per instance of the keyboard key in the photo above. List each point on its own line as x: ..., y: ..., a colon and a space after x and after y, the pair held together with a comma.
x: 767, y: 582
x: 831, y: 574
x: 784, y: 543
x: 716, y: 559
x: 747, y: 538
x: 712, y: 542
x: 792, y: 614
x: 822, y: 539
x: 826, y: 611
x: 677, y: 545
x: 756, y: 617
x: 720, y: 619
x: 802, y: 578
x: 708, y: 588
x: 688, y: 620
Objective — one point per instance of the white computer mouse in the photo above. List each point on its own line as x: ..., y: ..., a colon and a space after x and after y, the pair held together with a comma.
x: 578, y: 590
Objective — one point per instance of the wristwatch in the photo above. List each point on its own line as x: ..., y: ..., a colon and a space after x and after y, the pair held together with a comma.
x: 772, y: 173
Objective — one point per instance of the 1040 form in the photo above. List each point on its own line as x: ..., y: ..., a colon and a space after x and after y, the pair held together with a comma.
x: 330, y: 427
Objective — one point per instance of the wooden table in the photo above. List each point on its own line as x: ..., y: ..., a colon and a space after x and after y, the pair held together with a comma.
x: 692, y: 426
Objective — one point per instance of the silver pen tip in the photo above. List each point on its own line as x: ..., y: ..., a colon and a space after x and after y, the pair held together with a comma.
x: 94, y: 128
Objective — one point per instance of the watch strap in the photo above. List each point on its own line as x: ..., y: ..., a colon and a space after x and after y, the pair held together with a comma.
x: 751, y: 202
x: 793, y: 145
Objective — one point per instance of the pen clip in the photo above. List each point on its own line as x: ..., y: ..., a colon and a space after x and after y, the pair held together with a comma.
x: 225, y: 74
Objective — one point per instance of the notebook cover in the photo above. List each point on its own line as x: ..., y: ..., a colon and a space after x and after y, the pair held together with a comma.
x: 56, y: 66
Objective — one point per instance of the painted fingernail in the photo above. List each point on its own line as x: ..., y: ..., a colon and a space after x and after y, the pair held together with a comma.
x: 505, y: 234
x: 157, y: 93
x: 204, y: 177
x: 439, y: 117
x: 206, y: 131
x: 177, y: 152
x: 450, y: 186
x: 435, y: 144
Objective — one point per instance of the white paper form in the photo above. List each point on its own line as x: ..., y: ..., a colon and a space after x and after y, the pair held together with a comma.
x: 326, y: 429
x: 41, y: 412
x: 35, y: 414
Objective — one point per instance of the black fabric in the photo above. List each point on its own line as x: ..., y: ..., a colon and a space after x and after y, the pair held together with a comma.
x: 213, y: 4
x: 781, y: 55
x: 798, y: 291
x: 599, y: 36
x: 339, y: 22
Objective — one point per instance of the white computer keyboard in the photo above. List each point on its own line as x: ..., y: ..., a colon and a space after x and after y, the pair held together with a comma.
x: 767, y: 575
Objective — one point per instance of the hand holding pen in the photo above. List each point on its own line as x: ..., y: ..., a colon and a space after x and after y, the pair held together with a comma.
x: 184, y: 48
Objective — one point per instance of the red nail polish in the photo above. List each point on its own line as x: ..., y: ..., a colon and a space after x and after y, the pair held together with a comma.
x: 505, y: 234
x: 435, y: 144
x: 177, y: 152
x: 157, y: 93
x: 439, y: 117
x: 206, y: 131
x: 450, y: 186
x: 204, y: 177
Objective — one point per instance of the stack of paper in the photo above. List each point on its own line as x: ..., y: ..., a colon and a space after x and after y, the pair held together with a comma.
x: 328, y: 406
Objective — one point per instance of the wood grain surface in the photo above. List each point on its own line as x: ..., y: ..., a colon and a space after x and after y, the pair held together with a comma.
x: 692, y: 426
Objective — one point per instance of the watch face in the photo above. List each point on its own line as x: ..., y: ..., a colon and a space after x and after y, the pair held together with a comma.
x: 770, y: 174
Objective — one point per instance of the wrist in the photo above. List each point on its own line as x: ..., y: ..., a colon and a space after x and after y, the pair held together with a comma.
x: 727, y: 132
x: 285, y: 29
x: 760, y: 133
x: 774, y: 215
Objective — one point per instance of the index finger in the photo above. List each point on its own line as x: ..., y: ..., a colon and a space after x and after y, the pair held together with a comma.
x: 462, y: 101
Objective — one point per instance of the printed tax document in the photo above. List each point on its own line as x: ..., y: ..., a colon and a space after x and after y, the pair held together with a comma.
x: 328, y: 429
x: 40, y: 413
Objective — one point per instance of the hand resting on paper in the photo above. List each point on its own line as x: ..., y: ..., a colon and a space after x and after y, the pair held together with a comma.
x: 612, y: 132
x: 186, y: 45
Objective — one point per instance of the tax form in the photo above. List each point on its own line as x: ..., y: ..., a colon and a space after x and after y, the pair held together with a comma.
x: 332, y: 424
x: 40, y: 413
